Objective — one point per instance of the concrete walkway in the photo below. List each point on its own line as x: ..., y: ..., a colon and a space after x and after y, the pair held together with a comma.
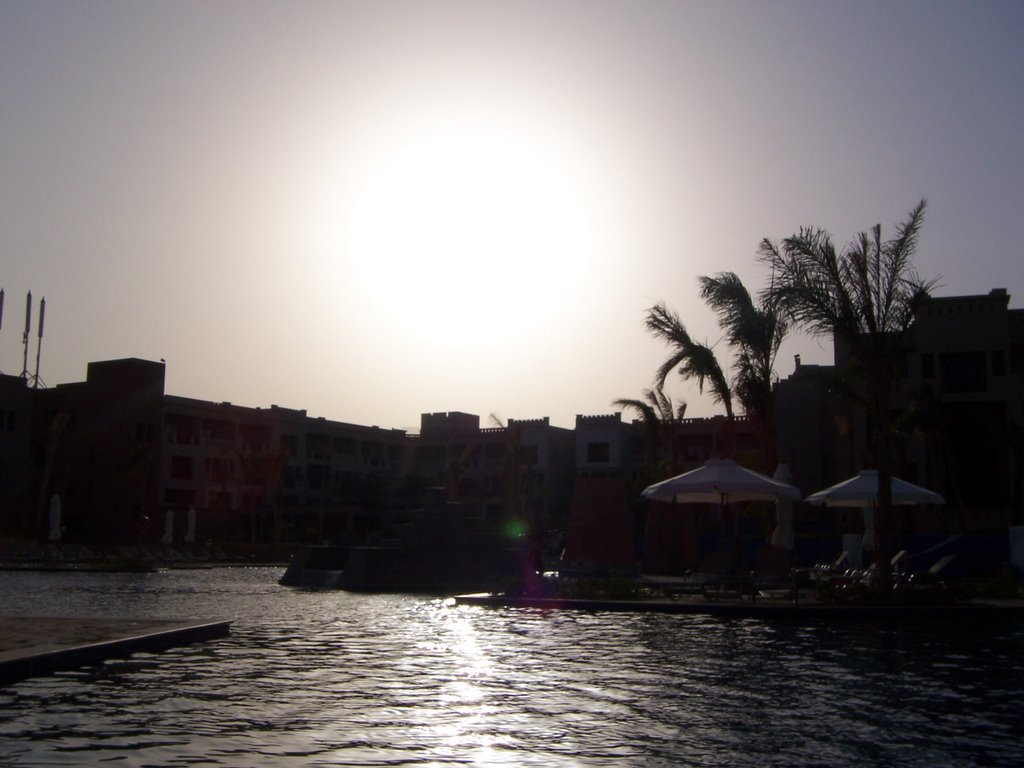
x: 32, y: 646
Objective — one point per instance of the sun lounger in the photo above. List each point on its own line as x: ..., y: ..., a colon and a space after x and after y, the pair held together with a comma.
x: 839, y: 565
x: 933, y: 576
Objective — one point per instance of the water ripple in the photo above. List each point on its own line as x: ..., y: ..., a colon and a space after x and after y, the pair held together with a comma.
x: 332, y: 678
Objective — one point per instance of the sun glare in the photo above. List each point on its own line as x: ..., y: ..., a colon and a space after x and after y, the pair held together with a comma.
x: 468, y: 233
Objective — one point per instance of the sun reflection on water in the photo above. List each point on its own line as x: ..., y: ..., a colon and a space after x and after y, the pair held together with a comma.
x: 333, y: 678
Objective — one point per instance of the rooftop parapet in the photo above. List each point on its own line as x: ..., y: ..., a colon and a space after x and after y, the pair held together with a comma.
x: 603, y: 420
x: 453, y: 422
x: 542, y: 422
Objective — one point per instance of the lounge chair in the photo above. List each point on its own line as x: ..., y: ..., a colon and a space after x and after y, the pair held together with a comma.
x: 933, y: 576
x: 773, y: 573
x: 839, y: 565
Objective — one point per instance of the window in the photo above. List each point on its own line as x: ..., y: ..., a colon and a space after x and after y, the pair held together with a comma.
x: 218, y: 429
x: 318, y: 447
x: 290, y: 445
x: 255, y: 439
x: 218, y: 470
x: 1017, y: 358
x: 318, y: 476
x: 963, y: 372
x: 528, y: 455
x: 252, y: 470
x: 598, y: 453
x: 181, y: 467
x: 346, y: 446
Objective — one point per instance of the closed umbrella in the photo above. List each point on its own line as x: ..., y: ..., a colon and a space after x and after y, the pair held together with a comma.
x: 168, y: 537
x: 55, y: 517
x: 782, y: 536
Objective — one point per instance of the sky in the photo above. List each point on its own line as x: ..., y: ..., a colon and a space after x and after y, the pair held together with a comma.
x: 374, y: 210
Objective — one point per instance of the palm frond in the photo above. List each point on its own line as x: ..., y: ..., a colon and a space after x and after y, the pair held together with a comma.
x: 647, y: 414
x: 692, y: 359
x: 730, y: 300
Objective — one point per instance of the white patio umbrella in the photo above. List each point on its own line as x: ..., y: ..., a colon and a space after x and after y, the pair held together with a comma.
x: 862, y: 491
x: 721, y: 481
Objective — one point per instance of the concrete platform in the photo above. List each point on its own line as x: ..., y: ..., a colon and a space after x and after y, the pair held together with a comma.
x: 32, y: 646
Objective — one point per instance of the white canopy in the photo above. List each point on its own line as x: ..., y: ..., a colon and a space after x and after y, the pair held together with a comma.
x: 862, y: 490
x: 720, y: 481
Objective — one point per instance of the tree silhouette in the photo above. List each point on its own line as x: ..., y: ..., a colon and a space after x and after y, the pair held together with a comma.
x: 660, y: 416
x: 865, y: 297
x: 753, y: 331
x: 692, y: 359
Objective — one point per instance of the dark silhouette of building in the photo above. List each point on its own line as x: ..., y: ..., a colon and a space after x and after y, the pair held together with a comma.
x: 96, y: 445
x: 133, y: 465
x: 957, y: 406
x: 16, y: 457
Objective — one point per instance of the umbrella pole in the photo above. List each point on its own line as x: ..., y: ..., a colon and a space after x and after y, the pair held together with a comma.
x: 735, y: 534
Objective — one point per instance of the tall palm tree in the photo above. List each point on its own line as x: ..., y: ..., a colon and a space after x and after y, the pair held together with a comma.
x: 864, y: 296
x: 755, y: 332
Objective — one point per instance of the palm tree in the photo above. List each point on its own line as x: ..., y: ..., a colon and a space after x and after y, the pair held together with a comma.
x: 755, y: 332
x: 865, y: 297
x: 660, y: 417
x: 693, y: 359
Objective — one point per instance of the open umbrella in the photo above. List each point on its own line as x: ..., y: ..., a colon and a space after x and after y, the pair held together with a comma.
x: 721, y: 481
x: 862, y: 491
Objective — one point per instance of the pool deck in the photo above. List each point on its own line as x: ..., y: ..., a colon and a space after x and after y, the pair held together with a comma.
x: 32, y: 646
x: 761, y: 608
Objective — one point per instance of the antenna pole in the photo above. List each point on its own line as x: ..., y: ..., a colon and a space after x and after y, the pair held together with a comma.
x: 24, y: 337
x: 39, y: 343
x: 1, y: 311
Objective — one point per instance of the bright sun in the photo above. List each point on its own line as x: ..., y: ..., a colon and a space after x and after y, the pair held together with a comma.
x: 469, y: 233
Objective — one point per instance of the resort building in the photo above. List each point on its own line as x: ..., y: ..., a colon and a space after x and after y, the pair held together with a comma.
x: 275, y: 475
x: 957, y: 405
x: 129, y: 464
x: 522, y: 470
x: 15, y: 456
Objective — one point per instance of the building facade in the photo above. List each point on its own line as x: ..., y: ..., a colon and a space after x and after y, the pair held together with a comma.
x: 957, y: 407
x: 131, y: 464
